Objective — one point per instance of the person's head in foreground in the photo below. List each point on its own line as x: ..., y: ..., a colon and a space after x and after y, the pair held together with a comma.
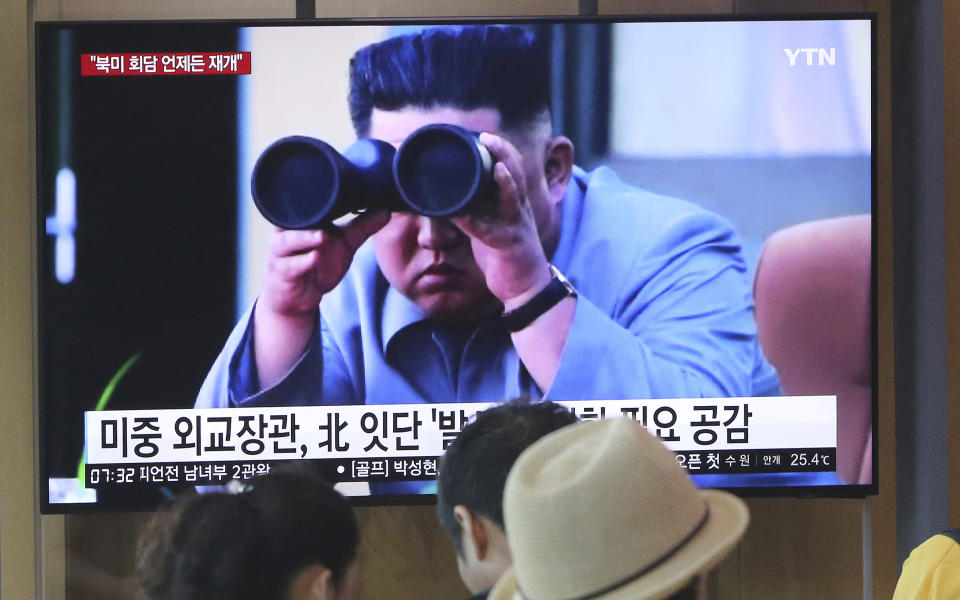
x: 472, y: 475
x: 485, y: 78
x: 602, y: 510
x: 289, y: 537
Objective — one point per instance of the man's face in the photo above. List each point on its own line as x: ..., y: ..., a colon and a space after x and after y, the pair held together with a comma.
x: 429, y: 260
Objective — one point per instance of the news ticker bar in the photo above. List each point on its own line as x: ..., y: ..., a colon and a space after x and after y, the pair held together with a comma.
x: 425, y: 430
x: 716, y: 462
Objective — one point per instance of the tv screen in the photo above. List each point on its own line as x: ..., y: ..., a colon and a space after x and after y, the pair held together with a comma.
x: 334, y: 242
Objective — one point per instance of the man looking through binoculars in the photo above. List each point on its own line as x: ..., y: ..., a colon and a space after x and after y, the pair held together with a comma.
x: 568, y: 285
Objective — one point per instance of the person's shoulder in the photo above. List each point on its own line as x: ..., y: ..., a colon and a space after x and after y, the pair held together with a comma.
x: 932, y: 568
x: 939, y: 549
x: 953, y: 534
x: 604, y: 184
x: 615, y: 209
x: 939, y: 545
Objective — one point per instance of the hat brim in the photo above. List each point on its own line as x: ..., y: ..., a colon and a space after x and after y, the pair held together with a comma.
x: 722, y: 530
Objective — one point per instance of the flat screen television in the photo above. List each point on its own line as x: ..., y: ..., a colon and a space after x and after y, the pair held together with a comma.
x: 705, y: 186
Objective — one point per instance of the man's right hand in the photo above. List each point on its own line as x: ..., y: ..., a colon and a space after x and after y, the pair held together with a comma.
x: 302, y: 266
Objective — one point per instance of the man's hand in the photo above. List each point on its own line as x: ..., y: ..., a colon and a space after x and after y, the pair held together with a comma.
x: 507, y: 247
x: 302, y: 266
x: 505, y: 241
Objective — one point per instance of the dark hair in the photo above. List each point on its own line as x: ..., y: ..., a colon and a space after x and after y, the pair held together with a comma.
x: 473, y: 470
x: 215, y: 546
x: 467, y: 67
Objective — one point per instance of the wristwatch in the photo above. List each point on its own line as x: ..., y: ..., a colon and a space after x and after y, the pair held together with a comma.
x: 555, y: 291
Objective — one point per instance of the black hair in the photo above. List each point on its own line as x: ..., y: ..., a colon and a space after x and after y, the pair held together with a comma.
x: 247, y: 546
x: 473, y: 470
x: 494, y: 66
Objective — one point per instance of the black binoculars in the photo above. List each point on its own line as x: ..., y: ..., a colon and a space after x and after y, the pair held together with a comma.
x: 439, y: 171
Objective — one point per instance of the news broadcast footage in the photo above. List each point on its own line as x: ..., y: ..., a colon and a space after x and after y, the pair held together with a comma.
x: 702, y: 191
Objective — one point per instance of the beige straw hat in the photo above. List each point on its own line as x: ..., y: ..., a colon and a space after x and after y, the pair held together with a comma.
x: 602, y: 510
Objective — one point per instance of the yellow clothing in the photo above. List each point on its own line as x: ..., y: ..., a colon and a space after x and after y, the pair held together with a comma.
x: 932, y: 571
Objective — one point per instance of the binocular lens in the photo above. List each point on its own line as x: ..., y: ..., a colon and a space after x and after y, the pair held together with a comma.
x: 295, y: 182
x: 441, y: 169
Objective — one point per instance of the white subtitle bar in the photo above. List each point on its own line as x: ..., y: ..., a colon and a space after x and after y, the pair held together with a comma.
x: 412, y: 430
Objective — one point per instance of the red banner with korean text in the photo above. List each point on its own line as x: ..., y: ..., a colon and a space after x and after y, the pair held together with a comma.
x: 165, y: 63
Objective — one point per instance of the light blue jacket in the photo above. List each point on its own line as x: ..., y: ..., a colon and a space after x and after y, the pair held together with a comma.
x: 664, y: 310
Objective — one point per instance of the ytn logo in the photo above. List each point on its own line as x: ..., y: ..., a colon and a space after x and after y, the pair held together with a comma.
x: 823, y: 56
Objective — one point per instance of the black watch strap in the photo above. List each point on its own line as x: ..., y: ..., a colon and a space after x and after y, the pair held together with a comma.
x: 555, y: 291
